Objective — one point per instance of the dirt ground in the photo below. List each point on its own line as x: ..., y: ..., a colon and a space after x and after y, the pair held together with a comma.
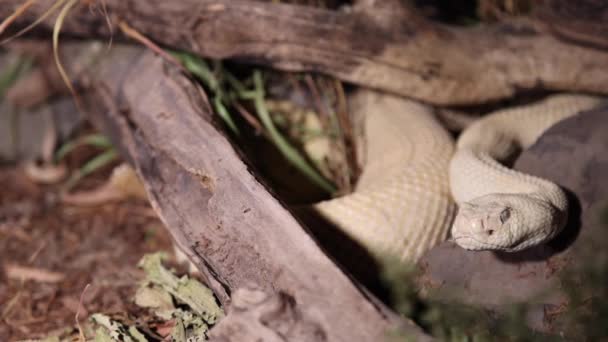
x: 50, y: 252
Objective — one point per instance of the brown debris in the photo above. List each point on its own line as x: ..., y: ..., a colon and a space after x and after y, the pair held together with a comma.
x: 60, y: 249
x: 45, y: 174
x: 23, y: 273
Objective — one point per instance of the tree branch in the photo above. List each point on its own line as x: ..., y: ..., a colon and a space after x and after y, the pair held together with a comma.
x: 411, y: 56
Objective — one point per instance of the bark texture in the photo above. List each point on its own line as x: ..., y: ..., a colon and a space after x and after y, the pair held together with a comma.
x: 375, y: 44
x: 237, y: 233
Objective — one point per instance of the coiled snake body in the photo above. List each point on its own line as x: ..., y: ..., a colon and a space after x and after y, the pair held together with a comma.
x: 406, y: 198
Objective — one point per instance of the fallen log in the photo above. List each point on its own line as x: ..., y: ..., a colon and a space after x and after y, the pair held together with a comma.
x: 378, y: 46
x: 241, y: 238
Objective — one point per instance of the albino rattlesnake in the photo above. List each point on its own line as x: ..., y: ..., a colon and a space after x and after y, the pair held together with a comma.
x: 402, y: 204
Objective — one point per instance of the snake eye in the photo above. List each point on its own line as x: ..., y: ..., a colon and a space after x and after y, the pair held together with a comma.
x: 504, y: 215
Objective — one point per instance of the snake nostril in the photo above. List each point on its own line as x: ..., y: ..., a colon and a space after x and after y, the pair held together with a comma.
x: 490, y: 232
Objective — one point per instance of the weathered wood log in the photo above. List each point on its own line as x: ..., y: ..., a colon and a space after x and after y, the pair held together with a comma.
x: 238, y: 234
x: 395, y: 51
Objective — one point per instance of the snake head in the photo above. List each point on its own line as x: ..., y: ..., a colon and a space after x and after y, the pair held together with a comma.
x: 505, y: 222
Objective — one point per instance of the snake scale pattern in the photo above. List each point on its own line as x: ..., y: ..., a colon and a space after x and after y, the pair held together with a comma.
x: 415, y: 177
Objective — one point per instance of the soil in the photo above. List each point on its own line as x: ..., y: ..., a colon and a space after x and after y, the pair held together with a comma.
x: 61, y: 249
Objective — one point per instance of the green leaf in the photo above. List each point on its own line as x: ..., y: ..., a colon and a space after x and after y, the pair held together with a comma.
x: 91, y: 166
x: 288, y: 151
x: 95, y: 139
x: 199, y: 68
x: 223, y: 113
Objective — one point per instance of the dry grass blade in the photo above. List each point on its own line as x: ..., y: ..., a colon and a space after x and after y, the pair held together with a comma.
x: 9, y: 305
x: 316, y: 96
x: 81, y: 336
x: 104, y: 12
x: 56, y: 29
x: 249, y: 118
x: 34, y: 255
x: 350, y: 143
x: 19, y: 11
x: 43, y: 17
x: 134, y: 34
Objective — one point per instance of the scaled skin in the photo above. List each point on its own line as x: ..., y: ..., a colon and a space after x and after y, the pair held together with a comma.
x: 506, y: 222
x: 401, y: 206
x: 502, y: 209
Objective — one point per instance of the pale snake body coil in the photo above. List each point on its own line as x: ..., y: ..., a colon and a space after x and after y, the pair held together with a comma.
x: 405, y: 200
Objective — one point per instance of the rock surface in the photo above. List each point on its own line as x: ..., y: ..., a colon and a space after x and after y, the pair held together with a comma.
x: 574, y: 154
